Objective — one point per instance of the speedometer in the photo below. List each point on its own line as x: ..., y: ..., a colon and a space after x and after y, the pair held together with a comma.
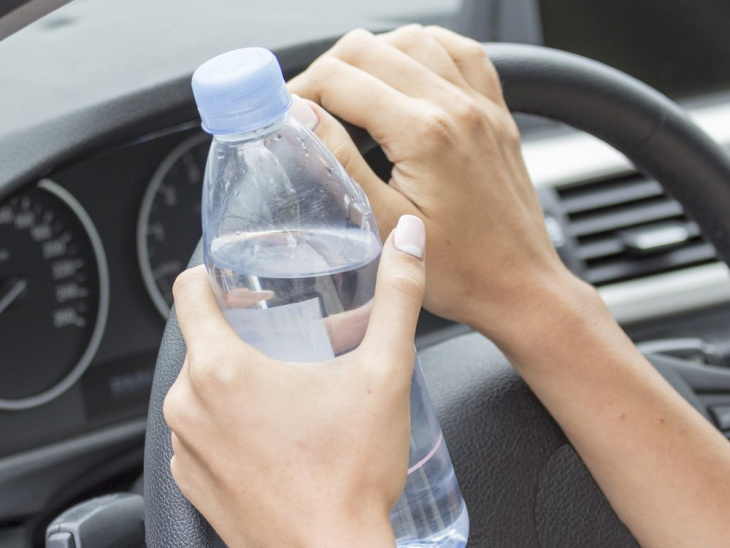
x: 169, y: 220
x: 54, y: 291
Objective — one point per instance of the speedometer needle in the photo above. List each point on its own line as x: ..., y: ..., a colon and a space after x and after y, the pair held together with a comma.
x: 13, y: 293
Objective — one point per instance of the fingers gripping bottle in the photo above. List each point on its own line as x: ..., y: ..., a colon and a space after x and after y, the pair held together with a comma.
x: 292, y: 250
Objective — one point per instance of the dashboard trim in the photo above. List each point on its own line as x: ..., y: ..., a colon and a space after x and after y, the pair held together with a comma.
x: 35, y: 474
x: 668, y: 294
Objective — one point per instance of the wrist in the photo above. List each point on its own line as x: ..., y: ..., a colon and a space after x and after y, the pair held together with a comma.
x: 359, y: 532
x: 545, y: 317
x: 331, y: 527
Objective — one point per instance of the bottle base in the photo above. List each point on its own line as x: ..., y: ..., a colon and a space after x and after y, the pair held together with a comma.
x: 453, y: 537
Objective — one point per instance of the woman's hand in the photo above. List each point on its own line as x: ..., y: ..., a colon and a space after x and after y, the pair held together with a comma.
x: 433, y: 101
x: 284, y: 454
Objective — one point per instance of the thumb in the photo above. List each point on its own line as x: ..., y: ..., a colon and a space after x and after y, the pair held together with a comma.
x: 398, y: 295
x: 388, y: 204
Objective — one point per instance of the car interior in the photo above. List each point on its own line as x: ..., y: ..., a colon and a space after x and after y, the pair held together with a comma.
x: 101, y: 168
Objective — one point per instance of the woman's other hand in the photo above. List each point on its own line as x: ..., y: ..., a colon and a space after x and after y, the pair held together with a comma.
x: 433, y: 101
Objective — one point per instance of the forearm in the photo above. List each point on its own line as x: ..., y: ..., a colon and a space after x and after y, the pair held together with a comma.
x: 646, y: 447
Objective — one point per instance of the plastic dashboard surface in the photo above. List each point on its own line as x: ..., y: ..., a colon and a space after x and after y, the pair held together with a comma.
x: 99, y: 73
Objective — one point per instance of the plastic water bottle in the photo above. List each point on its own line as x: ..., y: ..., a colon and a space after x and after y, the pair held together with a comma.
x: 292, y: 250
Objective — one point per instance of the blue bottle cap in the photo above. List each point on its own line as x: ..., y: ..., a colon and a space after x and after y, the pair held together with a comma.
x: 240, y: 90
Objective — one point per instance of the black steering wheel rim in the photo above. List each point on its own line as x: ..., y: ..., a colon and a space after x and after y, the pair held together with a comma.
x: 513, y: 463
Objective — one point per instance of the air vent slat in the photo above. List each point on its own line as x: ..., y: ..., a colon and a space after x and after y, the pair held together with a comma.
x: 627, y: 267
x: 601, y: 248
x: 607, y: 195
x: 612, y: 245
x: 625, y: 217
x: 628, y: 228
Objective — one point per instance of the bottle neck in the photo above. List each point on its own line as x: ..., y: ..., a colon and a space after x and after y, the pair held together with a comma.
x: 256, y: 133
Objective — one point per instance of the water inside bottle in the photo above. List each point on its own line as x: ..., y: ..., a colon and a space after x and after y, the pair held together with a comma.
x: 297, y: 296
x: 306, y: 296
x: 431, y: 511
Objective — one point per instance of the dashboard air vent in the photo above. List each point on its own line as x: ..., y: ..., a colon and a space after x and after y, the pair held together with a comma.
x: 629, y: 228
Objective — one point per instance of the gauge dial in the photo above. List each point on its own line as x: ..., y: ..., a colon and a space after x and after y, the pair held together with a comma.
x: 54, y: 284
x: 169, y: 222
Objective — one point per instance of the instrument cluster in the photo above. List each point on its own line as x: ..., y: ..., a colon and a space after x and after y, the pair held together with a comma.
x: 88, y: 257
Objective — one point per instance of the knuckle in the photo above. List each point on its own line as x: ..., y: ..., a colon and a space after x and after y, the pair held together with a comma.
x: 433, y: 30
x: 181, y: 479
x: 173, y: 409
x: 443, y: 125
x: 352, y: 44
x: 182, y: 283
x: 408, y: 34
x: 305, y: 83
x: 324, y: 68
x: 436, y: 126
x: 502, y: 124
x: 174, y: 467
x: 396, y: 387
x: 461, y: 116
x: 358, y: 36
x: 468, y: 113
x: 474, y: 51
x: 408, y: 284
x: 176, y: 444
x: 308, y: 84
x: 510, y: 131
x: 212, y: 374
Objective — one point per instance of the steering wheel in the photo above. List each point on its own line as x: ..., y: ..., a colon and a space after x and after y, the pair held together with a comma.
x: 522, y: 482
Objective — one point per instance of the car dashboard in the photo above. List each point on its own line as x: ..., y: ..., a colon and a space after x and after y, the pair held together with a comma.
x: 101, y: 163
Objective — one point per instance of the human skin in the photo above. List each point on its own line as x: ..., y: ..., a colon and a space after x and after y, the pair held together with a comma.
x: 433, y: 102
x: 662, y: 466
x: 291, y: 454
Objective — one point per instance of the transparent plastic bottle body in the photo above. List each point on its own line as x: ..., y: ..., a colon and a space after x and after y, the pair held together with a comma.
x: 292, y: 250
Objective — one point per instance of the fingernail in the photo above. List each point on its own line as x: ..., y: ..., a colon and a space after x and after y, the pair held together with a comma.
x: 303, y: 113
x: 410, y: 236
